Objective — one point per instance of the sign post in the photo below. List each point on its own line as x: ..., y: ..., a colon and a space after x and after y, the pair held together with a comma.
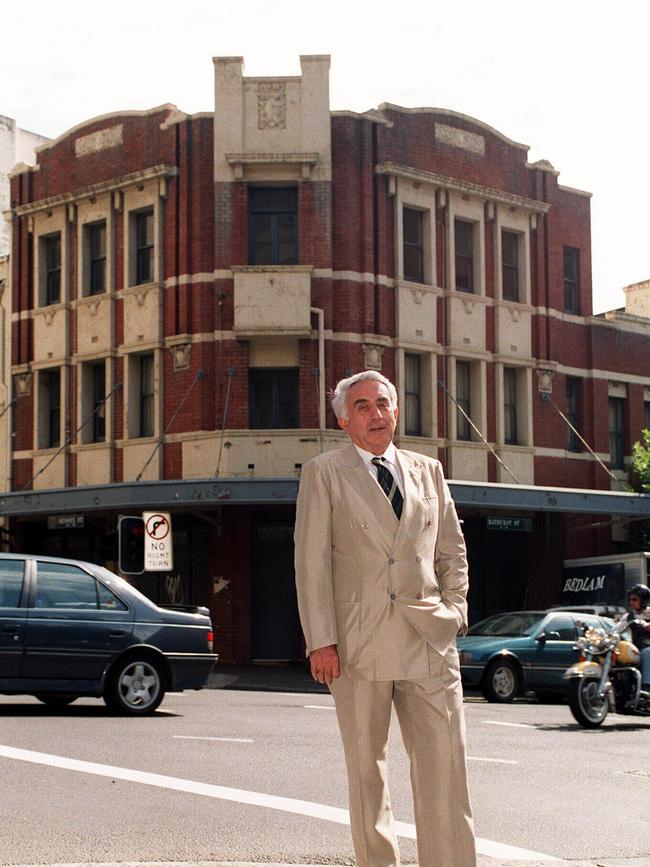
x: 158, y: 553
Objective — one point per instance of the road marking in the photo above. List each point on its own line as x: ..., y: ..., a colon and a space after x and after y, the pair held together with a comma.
x: 229, y: 740
x: 242, y: 796
x: 319, y: 706
x: 493, y: 722
x: 496, y: 761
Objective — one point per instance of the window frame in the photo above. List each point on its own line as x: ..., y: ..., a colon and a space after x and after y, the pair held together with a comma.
x: 275, y: 411
x: 573, y: 411
x: 52, y: 268
x: 275, y: 213
x: 96, y: 259
x: 463, y: 427
x: 146, y: 395
x: 616, y: 417
x: 417, y: 245
x: 571, y: 281
x: 510, y: 267
x: 510, y: 417
x: 464, y: 256
x: 413, y: 398
x: 144, y: 250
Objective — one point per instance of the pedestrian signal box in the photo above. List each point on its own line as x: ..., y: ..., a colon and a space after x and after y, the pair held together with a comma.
x: 131, y: 545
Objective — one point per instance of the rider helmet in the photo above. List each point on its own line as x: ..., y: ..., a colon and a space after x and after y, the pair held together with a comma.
x: 640, y: 590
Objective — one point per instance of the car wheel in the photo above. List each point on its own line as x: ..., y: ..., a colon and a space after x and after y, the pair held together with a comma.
x: 501, y: 681
x: 56, y: 699
x: 586, y: 706
x: 136, y: 686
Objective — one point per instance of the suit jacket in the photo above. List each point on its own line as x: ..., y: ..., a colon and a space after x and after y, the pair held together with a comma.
x: 383, y: 590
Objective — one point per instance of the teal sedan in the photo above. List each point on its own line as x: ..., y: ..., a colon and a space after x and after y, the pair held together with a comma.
x: 508, y: 654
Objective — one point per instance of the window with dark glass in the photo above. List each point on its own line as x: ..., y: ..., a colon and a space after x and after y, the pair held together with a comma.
x: 51, y: 252
x: 412, y: 396
x: 272, y: 226
x: 565, y: 627
x: 146, y: 395
x: 49, y: 434
x: 571, y: 280
x: 273, y: 397
x: 510, y: 265
x: 464, y: 255
x: 96, y: 249
x: 646, y: 414
x: 98, y: 373
x: 62, y: 586
x: 463, y: 396
x: 144, y: 246
x: 11, y: 582
x: 617, y: 432
x: 510, y: 405
x: 573, y: 389
x: 413, y: 244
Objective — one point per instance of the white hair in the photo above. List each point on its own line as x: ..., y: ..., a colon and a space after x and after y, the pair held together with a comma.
x: 340, y: 393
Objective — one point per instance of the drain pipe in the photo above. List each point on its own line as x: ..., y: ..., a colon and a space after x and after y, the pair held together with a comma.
x: 320, y: 313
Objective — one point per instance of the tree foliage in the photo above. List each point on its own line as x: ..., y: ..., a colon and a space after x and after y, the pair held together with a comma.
x: 639, y: 531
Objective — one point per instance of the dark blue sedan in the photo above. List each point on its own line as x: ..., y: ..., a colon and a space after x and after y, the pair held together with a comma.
x: 508, y: 654
x: 70, y: 629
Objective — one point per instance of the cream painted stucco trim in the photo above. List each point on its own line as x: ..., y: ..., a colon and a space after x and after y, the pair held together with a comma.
x: 610, y: 375
x: 564, y: 454
x: 141, y: 177
x: 444, y: 182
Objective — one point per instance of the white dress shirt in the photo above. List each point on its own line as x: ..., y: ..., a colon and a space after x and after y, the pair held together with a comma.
x: 389, y: 458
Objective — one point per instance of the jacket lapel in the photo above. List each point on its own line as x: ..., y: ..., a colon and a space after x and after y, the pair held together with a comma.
x: 411, y: 475
x: 371, y: 494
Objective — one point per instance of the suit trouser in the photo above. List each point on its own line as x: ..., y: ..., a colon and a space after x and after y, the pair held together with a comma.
x: 430, y: 715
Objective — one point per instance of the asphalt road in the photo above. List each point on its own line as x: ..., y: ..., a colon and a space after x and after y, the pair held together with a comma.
x: 225, y: 759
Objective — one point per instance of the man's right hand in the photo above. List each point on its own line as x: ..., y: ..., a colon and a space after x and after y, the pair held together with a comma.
x: 325, y: 665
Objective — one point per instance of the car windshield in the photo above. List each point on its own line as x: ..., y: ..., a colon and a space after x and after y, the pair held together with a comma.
x: 512, y: 623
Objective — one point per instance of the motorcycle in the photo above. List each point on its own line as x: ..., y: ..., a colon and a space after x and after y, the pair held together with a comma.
x: 607, y: 676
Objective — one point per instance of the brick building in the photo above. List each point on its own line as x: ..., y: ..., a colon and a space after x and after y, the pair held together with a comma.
x: 186, y: 288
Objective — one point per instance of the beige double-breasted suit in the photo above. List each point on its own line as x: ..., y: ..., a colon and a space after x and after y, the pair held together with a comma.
x: 391, y: 595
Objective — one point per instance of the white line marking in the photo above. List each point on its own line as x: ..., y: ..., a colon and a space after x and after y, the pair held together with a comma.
x: 493, y: 722
x: 496, y: 761
x: 319, y: 706
x: 230, y: 740
x: 257, y: 799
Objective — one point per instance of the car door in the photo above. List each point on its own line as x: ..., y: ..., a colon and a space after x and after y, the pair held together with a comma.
x: 553, y: 655
x: 13, y: 617
x: 75, y: 624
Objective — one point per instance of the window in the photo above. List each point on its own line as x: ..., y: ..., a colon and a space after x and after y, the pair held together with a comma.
x: 510, y: 405
x: 573, y: 390
x: 273, y: 397
x: 144, y: 246
x: 571, y: 280
x: 646, y: 414
x: 616, y: 432
x: 564, y: 625
x: 412, y: 397
x: 272, y: 226
x: 463, y: 396
x: 413, y: 244
x: 98, y: 385
x: 96, y: 252
x: 49, y: 393
x: 464, y: 255
x: 51, y: 268
x: 60, y: 585
x: 510, y: 265
x: 145, y: 395
x: 11, y: 582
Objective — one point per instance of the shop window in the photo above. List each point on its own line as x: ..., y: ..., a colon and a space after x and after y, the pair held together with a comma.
x: 412, y: 395
x: 413, y: 244
x: 571, y: 280
x: 95, y: 249
x: 273, y: 397
x: 464, y: 255
x: 273, y: 226
x: 50, y: 255
x: 510, y: 265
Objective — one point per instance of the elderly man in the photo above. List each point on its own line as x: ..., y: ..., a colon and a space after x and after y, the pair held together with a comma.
x: 381, y: 572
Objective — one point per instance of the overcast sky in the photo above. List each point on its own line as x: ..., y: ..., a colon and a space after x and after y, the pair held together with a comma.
x: 569, y: 78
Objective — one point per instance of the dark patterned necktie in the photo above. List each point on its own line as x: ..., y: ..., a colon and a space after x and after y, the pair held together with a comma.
x: 389, y: 486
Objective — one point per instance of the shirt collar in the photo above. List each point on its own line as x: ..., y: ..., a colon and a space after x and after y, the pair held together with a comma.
x: 366, y: 457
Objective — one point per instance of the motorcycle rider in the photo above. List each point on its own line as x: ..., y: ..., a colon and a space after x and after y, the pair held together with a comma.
x: 637, y: 599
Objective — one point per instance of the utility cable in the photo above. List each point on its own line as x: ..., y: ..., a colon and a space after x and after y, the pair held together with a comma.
x: 231, y: 373
x: 200, y: 374
x: 72, y: 436
x: 8, y: 406
x: 476, y: 430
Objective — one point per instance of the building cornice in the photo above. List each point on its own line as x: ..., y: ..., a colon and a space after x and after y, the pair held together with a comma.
x: 141, y: 177
x: 444, y: 182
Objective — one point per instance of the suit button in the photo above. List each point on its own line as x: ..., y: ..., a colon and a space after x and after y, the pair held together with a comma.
x: 390, y: 561
x: 428, y: 523
x: 364, y: 526
x: 418, y: 559
x: 418, y: 596
x: 393, y: 596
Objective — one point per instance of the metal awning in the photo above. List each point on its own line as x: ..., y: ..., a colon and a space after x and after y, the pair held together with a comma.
x: 192, y: 494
